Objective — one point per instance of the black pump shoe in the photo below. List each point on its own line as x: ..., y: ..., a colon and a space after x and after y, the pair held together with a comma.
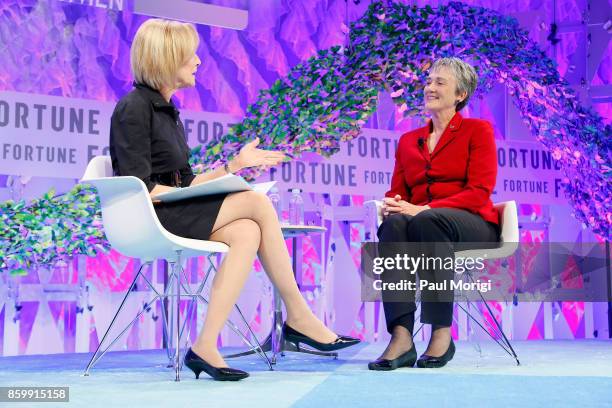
x: 296, y: 337
x: 426, y: 361
x: 405, y: 360
x: 197, y: 365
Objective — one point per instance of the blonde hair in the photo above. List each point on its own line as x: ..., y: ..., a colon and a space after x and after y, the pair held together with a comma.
x: 159, y: 49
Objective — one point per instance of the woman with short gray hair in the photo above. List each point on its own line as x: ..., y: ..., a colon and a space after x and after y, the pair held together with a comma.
x: 440, y: 193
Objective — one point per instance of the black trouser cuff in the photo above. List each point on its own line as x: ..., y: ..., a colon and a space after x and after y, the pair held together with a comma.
x: 406, y: 320
x: 437, y: 313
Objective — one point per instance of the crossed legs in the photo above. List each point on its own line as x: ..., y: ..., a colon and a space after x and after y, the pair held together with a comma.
x: 248, y: 224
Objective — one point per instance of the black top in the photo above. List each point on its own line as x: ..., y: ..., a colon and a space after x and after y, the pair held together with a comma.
x: 147, y: 139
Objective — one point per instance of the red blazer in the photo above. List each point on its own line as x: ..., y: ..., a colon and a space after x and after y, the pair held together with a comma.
x: 459, y: 173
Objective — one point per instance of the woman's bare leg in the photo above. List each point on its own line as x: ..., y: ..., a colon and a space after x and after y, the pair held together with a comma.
x: 275, y: 259
x: 243, y: 237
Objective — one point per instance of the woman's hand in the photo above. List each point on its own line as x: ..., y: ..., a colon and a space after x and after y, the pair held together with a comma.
x: 160, y: 189
x: 251, y: 156
x: 396, y: 205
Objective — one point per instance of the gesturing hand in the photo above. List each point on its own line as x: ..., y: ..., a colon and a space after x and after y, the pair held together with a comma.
x: 251, y: 156
x: 396, y: 205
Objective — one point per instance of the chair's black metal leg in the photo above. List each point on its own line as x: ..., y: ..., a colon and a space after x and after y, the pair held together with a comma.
x: 506, y: 341
x: 484, y: 329
x: 518, y: 363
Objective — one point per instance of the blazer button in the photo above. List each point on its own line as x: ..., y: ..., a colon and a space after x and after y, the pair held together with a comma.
x: 428, y: 166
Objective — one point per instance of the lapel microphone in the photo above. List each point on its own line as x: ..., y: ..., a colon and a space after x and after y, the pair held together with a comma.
x: 420, y: 142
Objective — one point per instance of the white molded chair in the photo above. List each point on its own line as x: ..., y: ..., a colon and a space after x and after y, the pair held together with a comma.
x: 132, y: 228
x: 509, y: 241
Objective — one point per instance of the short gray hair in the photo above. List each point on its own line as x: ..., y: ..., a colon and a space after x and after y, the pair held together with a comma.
x: 464, y: 73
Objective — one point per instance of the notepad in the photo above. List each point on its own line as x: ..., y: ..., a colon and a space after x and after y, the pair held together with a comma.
x: 229, y: 183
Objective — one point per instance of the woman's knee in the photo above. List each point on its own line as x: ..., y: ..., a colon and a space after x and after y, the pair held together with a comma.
x: 423, y: 225
x: 393, y: 228
x: 259, y: 203
x: 244, y: 233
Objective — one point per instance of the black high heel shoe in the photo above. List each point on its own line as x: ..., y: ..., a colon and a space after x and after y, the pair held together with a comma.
x: 296, y: 337
x: 405, y: 360
x: 197, y: 365
x: 426, y: 361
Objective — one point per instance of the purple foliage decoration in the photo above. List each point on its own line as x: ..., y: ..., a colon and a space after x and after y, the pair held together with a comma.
x: 325, y: 101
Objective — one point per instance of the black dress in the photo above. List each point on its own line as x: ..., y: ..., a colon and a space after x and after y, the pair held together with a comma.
x: 147, y: 140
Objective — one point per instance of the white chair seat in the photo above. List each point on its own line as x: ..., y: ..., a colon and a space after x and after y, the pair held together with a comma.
x: 505, y: 250
x: 130, y: 222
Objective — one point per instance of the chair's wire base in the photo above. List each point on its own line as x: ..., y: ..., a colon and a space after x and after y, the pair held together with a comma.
x: 197, y: 296
x: 171, y: 324
x: 494, y: 331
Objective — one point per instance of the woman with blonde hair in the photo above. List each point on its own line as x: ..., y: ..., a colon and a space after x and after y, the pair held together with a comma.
x: 147, y: 140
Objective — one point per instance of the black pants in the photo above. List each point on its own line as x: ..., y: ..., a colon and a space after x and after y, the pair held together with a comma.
x: 452, y: 230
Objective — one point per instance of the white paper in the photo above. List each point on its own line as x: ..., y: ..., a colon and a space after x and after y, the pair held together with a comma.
x: 229, y: 183
x: 263, y: 187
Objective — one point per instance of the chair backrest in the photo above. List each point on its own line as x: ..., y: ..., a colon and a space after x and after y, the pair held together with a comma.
x: 130, y: 223
x: 98, y: 167
x: 509, y: 234
x: 508, y: 220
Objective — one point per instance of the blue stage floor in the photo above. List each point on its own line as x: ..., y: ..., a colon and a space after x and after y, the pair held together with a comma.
x: 553, y: 374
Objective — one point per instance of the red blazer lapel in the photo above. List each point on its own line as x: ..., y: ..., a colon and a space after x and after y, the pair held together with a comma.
x: 422, y: 139
x: 449, y: 133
